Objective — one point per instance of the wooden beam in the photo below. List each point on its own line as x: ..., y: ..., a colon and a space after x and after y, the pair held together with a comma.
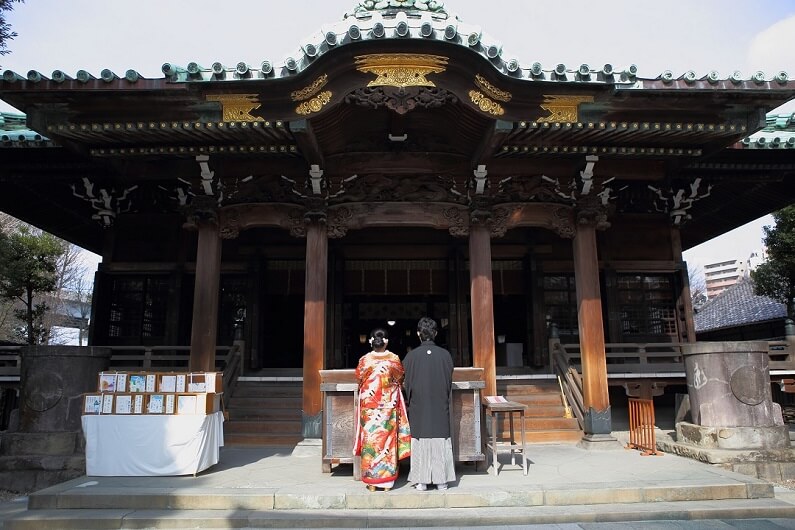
x: 592, y: 339
x: 482, y: 300
x: 684, y: 304
x: 307, y: 142
x: 314, y: 326
x: 205, y: 299
x: 492, y: 140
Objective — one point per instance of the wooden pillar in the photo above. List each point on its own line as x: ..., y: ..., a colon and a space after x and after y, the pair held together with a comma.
x: 684, y: 306
x: 592, y: 339
x: 482, y: 300
x: 314, y: 326
x: 205, y: 298
x: 536, y: 316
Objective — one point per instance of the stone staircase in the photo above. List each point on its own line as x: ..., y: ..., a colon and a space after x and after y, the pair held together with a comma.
x: 266, y: 413
x: 545, y: 420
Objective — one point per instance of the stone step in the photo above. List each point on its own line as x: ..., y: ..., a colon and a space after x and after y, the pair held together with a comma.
x: 100, y: 519
x: 353, y: 496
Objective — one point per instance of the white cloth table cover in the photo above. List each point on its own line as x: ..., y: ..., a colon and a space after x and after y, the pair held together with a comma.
x: 152, y: 445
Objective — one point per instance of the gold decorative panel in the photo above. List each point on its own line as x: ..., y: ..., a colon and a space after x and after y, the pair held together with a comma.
x: 314, y: 104
x: 311, y: 90
x: 237, y: 107
x: 563, y: 109
x: 491, y: 90
x: 485, y: 104
x: 401, y: 69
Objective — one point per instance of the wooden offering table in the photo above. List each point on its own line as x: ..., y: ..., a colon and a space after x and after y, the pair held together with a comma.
x: 340, y: 392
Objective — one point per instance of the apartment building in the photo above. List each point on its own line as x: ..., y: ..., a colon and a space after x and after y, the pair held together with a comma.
x: 723, y: 274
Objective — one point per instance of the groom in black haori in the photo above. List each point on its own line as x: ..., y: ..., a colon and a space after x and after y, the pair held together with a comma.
x: 428, y: 385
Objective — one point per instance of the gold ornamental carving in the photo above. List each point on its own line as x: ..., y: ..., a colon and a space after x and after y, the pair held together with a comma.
x: 401, y: 69
x: 486, y: 104
x: 563, y: 109
x: 491, y: 90
x: 315, y: 104
x: 309, y: 91
x: 237, y: 107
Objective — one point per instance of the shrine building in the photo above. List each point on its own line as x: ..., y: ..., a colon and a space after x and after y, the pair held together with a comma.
x: 396, y: 166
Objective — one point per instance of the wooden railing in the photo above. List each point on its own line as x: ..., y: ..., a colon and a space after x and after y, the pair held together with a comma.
x: 233, y: 365
x: 635, y: 358
x: 158, y: 358
x: 659, y: 357
x: 641, y: 427
x: 570, y: 381
x: 10, y: 363
x: 781, y: 354
x: 140, y: 358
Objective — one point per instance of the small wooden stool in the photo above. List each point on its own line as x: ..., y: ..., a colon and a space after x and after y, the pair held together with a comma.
x: 510, y: 408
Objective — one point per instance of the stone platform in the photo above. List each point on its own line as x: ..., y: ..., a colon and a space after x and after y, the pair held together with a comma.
x: 271, y: 487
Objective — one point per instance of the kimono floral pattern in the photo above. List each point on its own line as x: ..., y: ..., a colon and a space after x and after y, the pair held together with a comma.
x: 383, y: 436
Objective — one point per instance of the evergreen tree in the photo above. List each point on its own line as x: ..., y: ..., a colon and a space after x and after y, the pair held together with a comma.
x: 28, y: 267
x: 776, y: 276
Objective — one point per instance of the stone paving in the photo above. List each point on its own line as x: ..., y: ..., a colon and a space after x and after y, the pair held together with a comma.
x: 279, y: 488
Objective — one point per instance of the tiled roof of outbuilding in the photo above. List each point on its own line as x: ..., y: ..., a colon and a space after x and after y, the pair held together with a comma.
x: 779, y: 133
x: 14, y: 132
x: 737, y: 306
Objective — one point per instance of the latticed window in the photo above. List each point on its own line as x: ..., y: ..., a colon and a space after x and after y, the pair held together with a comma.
x: 138, y: 308
x: 646, y: 303
x: 560, y: 303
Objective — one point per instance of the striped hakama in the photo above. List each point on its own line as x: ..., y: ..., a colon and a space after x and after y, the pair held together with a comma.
x: 431, y: 461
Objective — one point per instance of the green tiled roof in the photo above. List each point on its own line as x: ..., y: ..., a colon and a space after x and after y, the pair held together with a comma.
x: 423, y: 20
x: 419, y: 5
x: 778, y: 133
x: 14, y: 132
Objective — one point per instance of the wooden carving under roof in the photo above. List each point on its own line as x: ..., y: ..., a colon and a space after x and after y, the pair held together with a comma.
x: 398, y: 101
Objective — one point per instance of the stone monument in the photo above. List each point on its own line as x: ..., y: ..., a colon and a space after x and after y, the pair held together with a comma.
x: 734, y: 421
x: 48, y: 448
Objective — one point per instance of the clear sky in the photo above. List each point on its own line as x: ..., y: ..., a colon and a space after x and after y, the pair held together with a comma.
x: 676, y: 35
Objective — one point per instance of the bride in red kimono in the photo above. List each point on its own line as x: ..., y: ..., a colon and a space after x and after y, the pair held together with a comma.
x: 382, y: 432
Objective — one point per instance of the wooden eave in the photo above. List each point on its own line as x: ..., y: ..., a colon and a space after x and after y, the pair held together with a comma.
x: 643, y: 131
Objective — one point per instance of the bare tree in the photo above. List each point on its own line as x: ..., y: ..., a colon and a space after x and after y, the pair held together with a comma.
x: 64, y: 308
x: 698, y: 285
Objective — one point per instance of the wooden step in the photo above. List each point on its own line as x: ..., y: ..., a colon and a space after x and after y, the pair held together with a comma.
x: 262, y: 414
x: 508, y: 389
x: 263, y: 402
x: 539, y: 424
x: 547, y: 437
x: 274, y: 427
x: 533, y: 400
x: 545, y: 411
x: 267, y: 390
x: 262, y: 439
